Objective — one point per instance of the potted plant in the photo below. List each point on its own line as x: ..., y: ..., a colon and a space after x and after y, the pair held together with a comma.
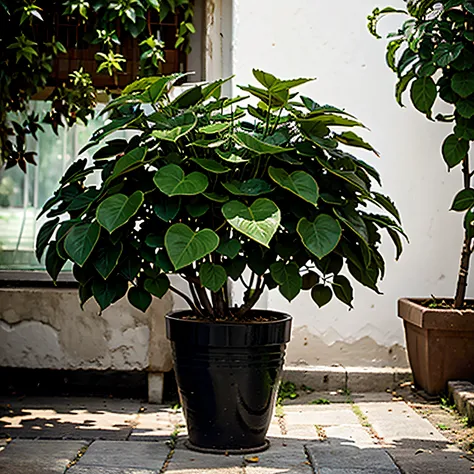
x: 433, y: 54
x: 207, y: 188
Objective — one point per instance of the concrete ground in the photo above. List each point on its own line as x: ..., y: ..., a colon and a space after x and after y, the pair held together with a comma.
x: 325, y: 433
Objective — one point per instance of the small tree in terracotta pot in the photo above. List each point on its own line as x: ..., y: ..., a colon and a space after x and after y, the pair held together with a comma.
x: 432, y: 53
x: 207, y: 187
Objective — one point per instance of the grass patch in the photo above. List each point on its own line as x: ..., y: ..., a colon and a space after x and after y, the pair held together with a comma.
x: 364, y: 421
x: 286, y: 391
x: 321, y: 401
x: 443, y: 427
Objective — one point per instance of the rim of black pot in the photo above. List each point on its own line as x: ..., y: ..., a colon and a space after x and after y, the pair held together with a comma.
x: 284, y: 317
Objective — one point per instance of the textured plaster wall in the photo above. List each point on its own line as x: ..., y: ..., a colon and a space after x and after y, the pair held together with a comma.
x: 329, y: 40
x: 45, y: 328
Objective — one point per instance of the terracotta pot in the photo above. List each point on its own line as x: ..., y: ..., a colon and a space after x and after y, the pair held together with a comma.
x: 440, y: 344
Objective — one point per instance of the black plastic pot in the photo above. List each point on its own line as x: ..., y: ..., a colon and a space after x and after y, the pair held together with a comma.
x: 228, y: 375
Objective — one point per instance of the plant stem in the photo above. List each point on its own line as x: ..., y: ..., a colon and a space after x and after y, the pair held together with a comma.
x: 466, y: 249
x: 187, y: 299
x: 252, y: 301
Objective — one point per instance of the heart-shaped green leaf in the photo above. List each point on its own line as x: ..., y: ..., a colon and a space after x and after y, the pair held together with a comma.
x: 167, y: 209
x: 321, y: 236
x: 212, y: 276
x: 172, y: 181
x: 107, y: 259
x: 343, y: 289
x: 464, y: 200
x: 260, y: 221
x: 321, y: 295
x: 176, y: 128
x: 211, y: 165
x: 108, y: 291
x: 184, y: 246
x: 139, y: 298
x: 80, y: 242
x: 230, y: 249
x: 214, y: 128
x: 299, y: 182
x: 463, y: 83
x: 454, y: 150
x: 44, y: 235
x: 231, y: 157
x: 129, y: 161
x: 288, y: 278
x: 257, y: 146
x: 251, y: 187
x: 117, y: 210
x: 157, y: 286
x: 423, y: 94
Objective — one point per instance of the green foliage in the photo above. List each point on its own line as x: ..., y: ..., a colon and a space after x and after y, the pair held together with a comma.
x: 204, y: 194
x: 26, y: 65
x: 432, y: 53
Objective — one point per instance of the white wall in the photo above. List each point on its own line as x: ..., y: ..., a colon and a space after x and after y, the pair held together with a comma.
x: 329, y: 40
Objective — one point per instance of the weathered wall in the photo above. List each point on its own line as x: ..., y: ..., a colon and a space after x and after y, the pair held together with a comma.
x: 329, y: 40
x: 45, y: 328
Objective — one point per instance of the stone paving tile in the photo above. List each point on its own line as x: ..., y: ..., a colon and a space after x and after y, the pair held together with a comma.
x: 68, y: 418
x: 154, y: 423
x: 323, y: 415
x: 185, y: 461
x: 39, y: 456
x: 109, y: 470
x: 125, y: 454
x: 284, y: 456
x: 396, y: 421
x: 431, y: 461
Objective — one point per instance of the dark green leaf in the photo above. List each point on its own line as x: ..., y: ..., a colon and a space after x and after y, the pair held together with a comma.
x: 343, y: 290
x: 454, y: 150
x: 463, y: 201
x: 139, y: 298
x: 321, y: 295
x: 213, y: 277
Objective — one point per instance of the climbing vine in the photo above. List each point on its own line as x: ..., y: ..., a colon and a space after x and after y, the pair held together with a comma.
x: 27, y: 59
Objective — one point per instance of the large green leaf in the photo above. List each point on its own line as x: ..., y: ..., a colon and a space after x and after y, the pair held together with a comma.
x: 167, y: 209
x: 172, y: 181
x: 107, y: 259
x: 464, y: 200
x: 465, y: 107
x: 257, y: 146
x: 251, y: 187
x: 184, y: 246
x: 44, y: 235
x: 454, y: 150
x: 321, y: 295
x: 177, y: 127
x: 212, y: 166
x: 117, y: 210
x: 260, y: 221
x: 157, y: 286
x: 352, y: 139
x: 139, y: 298
x: 214, y: 128
x: 288, y: 278
x: 354, y: 221
x: 343, y: 289
x: 299, y: 182
x: 107, y: 291
x: 463, y: 83
x: 423, y: 94
x: 212, y: 276
x: 129, y: 161
x: 81, y: 240
x: 53, y: 262
x: 231, y: 157
x: 230, y: 248
x: 321, y: 236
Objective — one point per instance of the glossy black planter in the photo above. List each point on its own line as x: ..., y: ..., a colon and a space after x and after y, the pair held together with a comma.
x: 228, y: 375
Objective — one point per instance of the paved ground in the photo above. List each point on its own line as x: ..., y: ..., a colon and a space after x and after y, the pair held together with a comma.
x: 317, y: 433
